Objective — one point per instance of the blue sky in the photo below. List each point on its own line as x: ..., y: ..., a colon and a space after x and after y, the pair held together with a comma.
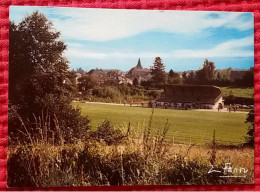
x: 115, y: 39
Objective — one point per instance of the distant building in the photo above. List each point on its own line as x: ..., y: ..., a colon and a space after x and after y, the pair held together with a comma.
x: 109, y: 75
x: 139, y: 71
x: 124, y: 80
x: 237, y: 74
x: 192, y: 96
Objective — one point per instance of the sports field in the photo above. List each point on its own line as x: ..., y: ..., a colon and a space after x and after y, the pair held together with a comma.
x: 186, y: 125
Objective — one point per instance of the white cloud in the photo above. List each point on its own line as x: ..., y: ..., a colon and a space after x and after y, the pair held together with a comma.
x: 103, y: 25
x: 79, y: 53
x: 87, y: 54
x: 110, y: 24
x: 231, y: 48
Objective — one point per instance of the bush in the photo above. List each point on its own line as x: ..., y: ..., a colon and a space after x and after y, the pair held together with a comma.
x: 188, y: 171
x: 107, y: 133
x: 117, y: 94
x: 71, y: 126
x: 154, y: 94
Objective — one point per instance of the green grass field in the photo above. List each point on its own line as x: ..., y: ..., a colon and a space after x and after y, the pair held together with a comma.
x: 196, y: 126
x: 238, y: 92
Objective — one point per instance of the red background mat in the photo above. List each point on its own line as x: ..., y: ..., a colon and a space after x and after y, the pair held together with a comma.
x: 202, y: 5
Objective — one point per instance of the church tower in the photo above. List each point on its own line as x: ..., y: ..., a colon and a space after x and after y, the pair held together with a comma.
x: 139, y: 66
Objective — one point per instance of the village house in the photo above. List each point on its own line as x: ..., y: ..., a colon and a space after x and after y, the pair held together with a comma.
x: 124, y: 80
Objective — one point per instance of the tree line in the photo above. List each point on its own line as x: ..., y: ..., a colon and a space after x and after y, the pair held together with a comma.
x: 207, y: 75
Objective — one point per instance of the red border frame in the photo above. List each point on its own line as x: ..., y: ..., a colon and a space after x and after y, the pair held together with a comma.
x: 202, y: 5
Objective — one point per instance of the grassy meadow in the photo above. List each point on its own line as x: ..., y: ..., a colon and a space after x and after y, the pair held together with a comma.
x: 238, y: 92
x: 186, y: 126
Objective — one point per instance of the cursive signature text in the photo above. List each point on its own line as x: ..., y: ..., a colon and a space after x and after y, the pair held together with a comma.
x: 229, y: 169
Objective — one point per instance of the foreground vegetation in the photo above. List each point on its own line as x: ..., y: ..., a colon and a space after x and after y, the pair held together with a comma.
x: 187, y: 126
x: 123, y: 157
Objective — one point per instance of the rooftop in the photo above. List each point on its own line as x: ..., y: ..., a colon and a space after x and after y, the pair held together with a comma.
x: 207, y: 94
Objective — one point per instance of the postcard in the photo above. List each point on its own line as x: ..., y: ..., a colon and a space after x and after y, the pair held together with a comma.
x: 102, y: 97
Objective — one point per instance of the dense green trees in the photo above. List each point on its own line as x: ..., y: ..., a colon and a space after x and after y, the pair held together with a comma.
x: 189, y: 78
x: 39, y: 79
x: 224, y: 74
x: 86, y: 82
x: 247, y: 80
x: 206, y: 74
x: 174, y: 78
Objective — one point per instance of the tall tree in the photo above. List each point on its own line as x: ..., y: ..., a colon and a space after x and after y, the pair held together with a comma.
x: 158, y: 72
x: 184, y: 77
x: 174, y: 78
x: 191, y: 79
x: 171, y: 73
x: 206, y: 74
x: 201, y: 76
x: 40, y: 81
x: 209, y: 68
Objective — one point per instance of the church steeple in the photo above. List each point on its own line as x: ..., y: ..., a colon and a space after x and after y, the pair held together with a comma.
x: 139, y: 64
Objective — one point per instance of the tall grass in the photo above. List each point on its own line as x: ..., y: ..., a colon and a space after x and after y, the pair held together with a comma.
x: 139, y: 158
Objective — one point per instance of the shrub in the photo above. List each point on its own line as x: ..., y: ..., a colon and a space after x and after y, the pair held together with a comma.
x: 68, y: 124
x: 108, y: 133
x: 106, y: 92
x: 182, y: 170
x: 154, y: 94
